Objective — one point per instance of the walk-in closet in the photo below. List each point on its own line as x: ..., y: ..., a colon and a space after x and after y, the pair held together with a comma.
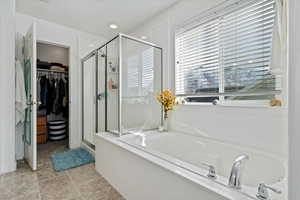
x: 52, y: 89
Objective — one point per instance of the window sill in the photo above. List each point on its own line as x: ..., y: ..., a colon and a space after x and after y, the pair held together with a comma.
x: 241, y: 104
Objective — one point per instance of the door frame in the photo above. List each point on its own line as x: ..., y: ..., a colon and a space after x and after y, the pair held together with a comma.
x: 71, y: 136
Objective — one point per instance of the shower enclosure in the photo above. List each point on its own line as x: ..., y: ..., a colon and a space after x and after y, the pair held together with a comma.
x: 120, y: 81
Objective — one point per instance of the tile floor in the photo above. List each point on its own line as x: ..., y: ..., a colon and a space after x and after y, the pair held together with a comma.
x: 82, y: 183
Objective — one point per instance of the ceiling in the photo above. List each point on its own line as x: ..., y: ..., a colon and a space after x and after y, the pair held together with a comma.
x: 94, y: 16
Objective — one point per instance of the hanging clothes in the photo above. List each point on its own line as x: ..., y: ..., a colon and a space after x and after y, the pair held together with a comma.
x: 66, y: 100
x: 44, y: 91
x: 53, y: 95
x: 60, y: 93
x: 56, y: 99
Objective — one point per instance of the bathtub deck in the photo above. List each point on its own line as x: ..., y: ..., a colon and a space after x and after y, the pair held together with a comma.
x: 109, y: 144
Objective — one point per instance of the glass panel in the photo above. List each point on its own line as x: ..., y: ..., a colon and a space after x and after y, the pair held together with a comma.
x: 112, y: 69
x: 101, y: 90
x: 28, y: 110
x: 89, y: 99
x: 141, y: 81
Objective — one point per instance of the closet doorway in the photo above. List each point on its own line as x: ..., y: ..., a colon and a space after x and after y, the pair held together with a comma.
x: 53, y: 98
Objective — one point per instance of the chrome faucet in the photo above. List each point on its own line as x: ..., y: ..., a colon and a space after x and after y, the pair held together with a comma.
x: 263, y: 193
x: 236, y: 172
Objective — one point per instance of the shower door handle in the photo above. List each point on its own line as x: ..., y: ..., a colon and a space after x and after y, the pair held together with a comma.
x: 100, y: 96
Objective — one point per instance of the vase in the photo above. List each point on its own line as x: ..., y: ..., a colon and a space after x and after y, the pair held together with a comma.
x: 165, y: 123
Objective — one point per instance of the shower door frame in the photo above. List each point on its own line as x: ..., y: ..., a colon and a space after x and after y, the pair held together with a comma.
x: 90, y: 55
x: 120, y: 36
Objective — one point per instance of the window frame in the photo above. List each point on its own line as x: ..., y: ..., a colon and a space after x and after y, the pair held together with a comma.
x: 205, y: 17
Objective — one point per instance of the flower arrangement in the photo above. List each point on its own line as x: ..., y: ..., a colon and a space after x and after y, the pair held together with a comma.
x: 168, y: 101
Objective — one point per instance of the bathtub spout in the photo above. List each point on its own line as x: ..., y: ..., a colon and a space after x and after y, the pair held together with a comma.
x: 237, y: 171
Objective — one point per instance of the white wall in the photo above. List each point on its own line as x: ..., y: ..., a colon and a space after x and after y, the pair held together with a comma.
x: 262, y: 128
x: 294, y: 101
x: 80, y: 44
x: 53, y: 53
x: 7, y: 85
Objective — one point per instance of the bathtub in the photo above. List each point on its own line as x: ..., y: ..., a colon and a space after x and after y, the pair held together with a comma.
x: 189, y: 155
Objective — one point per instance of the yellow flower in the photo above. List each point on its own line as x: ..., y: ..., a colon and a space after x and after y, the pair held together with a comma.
x: 167, y: 99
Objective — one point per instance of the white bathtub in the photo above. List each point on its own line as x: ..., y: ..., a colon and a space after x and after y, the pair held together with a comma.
x: 190, y: 152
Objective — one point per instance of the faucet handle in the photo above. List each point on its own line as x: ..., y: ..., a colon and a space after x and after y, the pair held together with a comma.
x: 263, y: 193
x: 211, y: 172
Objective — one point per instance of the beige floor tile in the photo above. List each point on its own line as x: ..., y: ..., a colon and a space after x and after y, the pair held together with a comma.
x: 115, y: 195
x: 29, y: 196
x: 83, y: 174
x: 18, y: 184
x: 44, y: 162
x: 82, y: 183
x: 48, y: 173
x: 5, y: 194
x: 98, y: 188
x: 58, y: 188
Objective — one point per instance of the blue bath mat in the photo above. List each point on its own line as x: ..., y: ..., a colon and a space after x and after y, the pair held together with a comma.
x: 71, y: 159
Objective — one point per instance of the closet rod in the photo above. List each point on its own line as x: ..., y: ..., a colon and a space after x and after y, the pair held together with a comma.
x: 50, y: 71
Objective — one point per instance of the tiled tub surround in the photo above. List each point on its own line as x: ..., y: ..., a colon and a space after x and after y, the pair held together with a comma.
x: 183, y: 155
x: 82, y: 183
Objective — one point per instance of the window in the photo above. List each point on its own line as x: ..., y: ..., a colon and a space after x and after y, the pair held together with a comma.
x: 228, y: 57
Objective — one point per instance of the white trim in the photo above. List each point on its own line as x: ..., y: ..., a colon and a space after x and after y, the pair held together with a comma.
x: 71, y: 142
x: 138, y: 40
x: 246, y: 103
x: 237, y: 103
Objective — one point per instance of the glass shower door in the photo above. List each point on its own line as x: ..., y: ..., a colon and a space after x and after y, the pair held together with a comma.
x: 101, y: 94
x: 112, y: 86
x: 89, y: 99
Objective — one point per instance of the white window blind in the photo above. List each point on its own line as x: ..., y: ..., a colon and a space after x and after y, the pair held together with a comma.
x: 140, y: 73
x: 133, y: 72
x: 228, y: 55
x: 148, y: 70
